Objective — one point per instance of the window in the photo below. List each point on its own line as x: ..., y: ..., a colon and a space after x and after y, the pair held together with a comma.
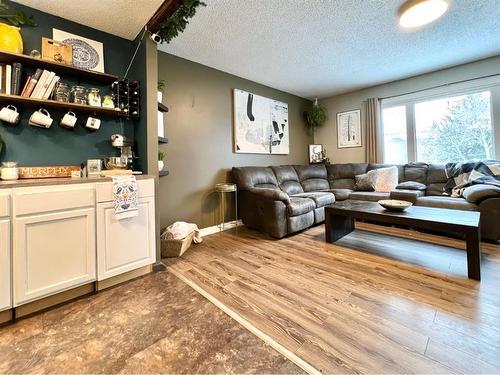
x: 395, y: 139
x: 454, y: 128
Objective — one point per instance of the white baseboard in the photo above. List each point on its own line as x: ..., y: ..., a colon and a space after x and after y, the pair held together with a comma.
x: 215, y: 228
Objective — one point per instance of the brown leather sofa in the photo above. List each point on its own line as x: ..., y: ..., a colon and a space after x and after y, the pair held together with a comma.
x: 281, y: 200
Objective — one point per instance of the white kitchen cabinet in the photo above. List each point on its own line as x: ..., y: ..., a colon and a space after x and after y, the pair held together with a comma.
x: 54, y: 246
x: 5, y: 251
x: 127, y: 244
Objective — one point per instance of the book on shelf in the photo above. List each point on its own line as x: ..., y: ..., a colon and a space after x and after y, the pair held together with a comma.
x: 5, y: 78
x: 16, y: 78
x: 33, y: 80
x: 50, y: 87
x: 39, y: 88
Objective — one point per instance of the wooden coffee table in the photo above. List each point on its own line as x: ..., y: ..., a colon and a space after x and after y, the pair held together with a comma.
x: 339, y: 221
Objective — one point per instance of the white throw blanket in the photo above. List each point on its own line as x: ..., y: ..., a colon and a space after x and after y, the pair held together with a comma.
x: 125, y: 196
x: 181, y: 229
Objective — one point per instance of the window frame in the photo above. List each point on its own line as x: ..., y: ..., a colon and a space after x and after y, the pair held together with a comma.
x: 491, y: 84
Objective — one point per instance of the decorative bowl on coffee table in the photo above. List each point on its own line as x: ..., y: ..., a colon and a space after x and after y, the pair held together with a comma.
x: 394, y: 204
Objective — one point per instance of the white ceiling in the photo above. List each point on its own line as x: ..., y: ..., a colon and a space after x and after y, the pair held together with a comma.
x: 321, y: 48
x: 124, y: 18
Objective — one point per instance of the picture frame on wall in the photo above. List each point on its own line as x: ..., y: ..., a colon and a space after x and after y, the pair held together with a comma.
x: 260, y: 124
x: 349, y: 129
x: 315, y: 154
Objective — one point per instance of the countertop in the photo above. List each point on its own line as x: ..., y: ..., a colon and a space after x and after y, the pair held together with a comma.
x: 59, y: 181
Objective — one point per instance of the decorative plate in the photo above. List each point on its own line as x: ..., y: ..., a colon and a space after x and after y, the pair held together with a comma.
x: 84, y: 55
x: 394, y: 204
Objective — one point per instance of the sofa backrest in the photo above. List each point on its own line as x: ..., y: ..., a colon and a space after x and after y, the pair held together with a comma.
x: 341, y: 176
x: 436, y: 179
x: 288, y: 180
x: 254, y: 177
x: 415, y: 172
x: 312, y: 177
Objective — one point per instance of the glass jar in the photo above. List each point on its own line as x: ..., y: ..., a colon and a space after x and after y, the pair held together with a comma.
x: 62, y: 92
x: 94, y: 97
x: 107, y: 102
x: 9, y: 170
x: 78, y: 95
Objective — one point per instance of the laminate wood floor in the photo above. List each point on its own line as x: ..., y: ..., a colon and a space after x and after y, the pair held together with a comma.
x: 380, y: 300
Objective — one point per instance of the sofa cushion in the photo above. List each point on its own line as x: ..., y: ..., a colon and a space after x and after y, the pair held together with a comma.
x: 406, y: 195
x: 341, y: 194
x: 411, y: 185
x: 436, y: 189
x: 478, y: 193
x: 299, y: 206
x: 321, y: 199
x: 300, y: 222
x: 416, y: 172
x: 436, y: 173
x: 288, y: 180
x: 446, y: 202
x: 343, y: 183
x: 250, y: 177
x: 348, y: 170
x: 372, y: 196
x: 312, y: 177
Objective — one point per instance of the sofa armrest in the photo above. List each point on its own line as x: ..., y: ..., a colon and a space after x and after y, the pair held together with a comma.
x: 478, y: 193
x: 406, y: 195
x: 272, y: 194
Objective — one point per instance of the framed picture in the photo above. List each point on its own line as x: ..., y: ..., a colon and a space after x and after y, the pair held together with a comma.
x: 349, y: 129
x: 260, y: 124
x: 87, y: 53
x: 315, y: 154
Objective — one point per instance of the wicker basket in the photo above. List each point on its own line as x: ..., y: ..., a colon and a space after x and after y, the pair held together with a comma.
x: 175, y: 248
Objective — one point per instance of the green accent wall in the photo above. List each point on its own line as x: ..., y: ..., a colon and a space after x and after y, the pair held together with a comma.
x: 31, y: 146
x: 199, y: 127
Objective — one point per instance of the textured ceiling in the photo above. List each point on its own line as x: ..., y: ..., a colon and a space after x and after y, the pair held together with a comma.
x: 321, y: 48
x: 124, y: 18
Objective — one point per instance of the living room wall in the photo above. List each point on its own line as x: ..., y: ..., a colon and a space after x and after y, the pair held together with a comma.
x: 199, y: 127
x: 327, y: 135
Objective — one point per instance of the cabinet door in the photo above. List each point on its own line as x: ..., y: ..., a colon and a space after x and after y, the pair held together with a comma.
x: 127, y: 244
x: 5, y: 274
x: 52, y: 252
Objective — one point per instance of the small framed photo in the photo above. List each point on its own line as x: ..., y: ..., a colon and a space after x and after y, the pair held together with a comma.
x: 349, y: 129
x: 315, y: 154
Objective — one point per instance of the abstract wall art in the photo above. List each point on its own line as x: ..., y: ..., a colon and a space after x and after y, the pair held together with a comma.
x: 260, y: 124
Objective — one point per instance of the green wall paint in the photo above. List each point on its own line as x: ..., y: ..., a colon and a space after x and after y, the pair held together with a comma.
x: 57, y: 146
x: 199, y: 128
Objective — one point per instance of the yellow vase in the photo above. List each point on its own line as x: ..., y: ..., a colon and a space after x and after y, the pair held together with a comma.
x: 10, y: 38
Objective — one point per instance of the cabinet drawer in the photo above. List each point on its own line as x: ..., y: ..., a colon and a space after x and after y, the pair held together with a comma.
x: 54, y: 198
x: 5, y: 203
x: 104, y: 190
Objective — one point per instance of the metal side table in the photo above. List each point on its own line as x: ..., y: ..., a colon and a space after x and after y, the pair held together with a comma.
x: 223, y: 189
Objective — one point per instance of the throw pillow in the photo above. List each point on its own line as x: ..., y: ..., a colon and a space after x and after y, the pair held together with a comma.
x: 477, y: 193
x: 411, y: 185
x: 365, y: 182
x: 386, y: 179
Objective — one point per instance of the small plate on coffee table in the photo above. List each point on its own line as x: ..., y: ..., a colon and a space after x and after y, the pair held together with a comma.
x: 394, y: 204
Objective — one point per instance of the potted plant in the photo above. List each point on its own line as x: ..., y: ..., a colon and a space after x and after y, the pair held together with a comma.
x: 10, y: 35
x: 161, y: 87
x: 316, y: 116
x: 161, y: 156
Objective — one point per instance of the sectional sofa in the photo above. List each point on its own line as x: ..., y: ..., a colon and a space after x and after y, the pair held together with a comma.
x: 281, y: 200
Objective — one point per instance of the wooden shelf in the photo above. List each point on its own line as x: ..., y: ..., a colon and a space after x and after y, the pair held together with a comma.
x: 163, y: 173
x: 22, y: 101
x: 162, y: 140
x: 59, y: 68
x: 162, y: 107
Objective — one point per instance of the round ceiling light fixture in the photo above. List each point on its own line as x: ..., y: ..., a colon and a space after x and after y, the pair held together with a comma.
x: 415, y: 13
